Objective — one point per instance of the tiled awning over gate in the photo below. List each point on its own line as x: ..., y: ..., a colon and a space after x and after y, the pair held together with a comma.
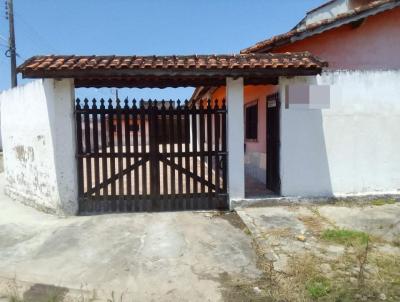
x: 171, y: 71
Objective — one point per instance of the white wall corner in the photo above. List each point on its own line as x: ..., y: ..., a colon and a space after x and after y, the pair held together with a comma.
x: 37, y: 122
x: 350, y: 148
x: 235, y: 101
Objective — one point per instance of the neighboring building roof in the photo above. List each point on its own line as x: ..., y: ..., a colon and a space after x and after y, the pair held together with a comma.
x: 301, y: 33
x: 169, y: 71
x: 321, y: 6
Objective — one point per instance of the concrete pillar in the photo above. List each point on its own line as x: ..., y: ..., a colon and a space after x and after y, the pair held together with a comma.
x: 235, y: 101
x: 38, y: 128
x: 65, y: 145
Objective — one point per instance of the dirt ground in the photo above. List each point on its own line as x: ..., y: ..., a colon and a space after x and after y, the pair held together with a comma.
x: 341, y: 252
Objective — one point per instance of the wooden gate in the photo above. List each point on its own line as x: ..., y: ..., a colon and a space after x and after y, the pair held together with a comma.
x: 151, y: 156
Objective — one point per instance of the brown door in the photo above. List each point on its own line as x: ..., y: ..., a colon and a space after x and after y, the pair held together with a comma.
x: 273, y: 143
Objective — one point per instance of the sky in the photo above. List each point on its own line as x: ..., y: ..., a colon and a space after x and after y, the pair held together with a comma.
x: 143, y: 27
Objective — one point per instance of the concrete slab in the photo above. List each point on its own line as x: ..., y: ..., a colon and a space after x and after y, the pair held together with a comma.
x: 148, y: 257
x: 382, y: 221
x: 285, y: 231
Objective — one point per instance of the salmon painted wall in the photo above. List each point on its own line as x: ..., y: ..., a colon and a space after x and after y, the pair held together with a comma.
x: 255, y: 156
x: 373, y: 45
x: 251, y: 94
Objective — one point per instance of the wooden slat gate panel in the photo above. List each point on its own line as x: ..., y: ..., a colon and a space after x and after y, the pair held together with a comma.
x: 151, y: 156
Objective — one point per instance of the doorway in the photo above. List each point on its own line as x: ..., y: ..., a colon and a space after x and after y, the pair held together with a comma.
x: 273, y: 182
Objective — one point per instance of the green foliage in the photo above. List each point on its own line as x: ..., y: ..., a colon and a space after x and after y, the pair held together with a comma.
x: 345, y: 237
x: 318, y: 287
x: 383, y: 201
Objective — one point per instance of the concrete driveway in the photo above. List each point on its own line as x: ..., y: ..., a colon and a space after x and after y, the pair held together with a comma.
x: 144, y: 257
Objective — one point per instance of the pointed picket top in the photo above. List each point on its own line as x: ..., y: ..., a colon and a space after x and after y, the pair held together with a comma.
x: 86, y: 102
x: 201, y: 101
x: 78, y: 103
x: 126, y: 101
x: 171, y: 104
x: 178, y: 102
x: 118, y: 101
x: 102, y: 104
x: 223, y: 104
x: 94, y: 101
x: 209, y: 104
x: 216, y: 106
x: 110, y: 105
x: 186, y: 104
x: 134, y: 104
x: 141, y: 104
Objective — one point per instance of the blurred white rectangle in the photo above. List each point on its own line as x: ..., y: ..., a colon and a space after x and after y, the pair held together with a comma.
x: 320, y: 97
x: 307, y: 96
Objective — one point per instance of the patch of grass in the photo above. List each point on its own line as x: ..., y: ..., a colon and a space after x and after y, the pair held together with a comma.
x: 14, y: 299
x: 388, y: 270
x: 345, y: 236
x: 318, y: 287
x: 383, y: 201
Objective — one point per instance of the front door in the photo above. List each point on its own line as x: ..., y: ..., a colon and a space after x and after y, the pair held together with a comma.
x: 273, y: 143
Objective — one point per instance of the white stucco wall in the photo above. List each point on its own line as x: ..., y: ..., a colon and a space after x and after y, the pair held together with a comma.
x: 351, y: 148
x: 37, y: 125
x: 235, y: 100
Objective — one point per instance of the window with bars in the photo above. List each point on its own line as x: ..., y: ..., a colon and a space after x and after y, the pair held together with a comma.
x: 251, y: 120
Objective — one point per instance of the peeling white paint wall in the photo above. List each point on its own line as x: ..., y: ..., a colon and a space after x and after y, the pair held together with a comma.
x: 37, y: 124
x: 351, y: 148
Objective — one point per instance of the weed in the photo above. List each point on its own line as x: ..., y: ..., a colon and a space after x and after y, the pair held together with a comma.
x: 318, y: 287
x: 313, y: 223
x: 362, y: 258
x: 322, y: 218
x: 388, y: 272
x: 383, y: 201
x: 279, y: 232
x: 345, y: 237
x: 14, y: 299
x: 247, y: 231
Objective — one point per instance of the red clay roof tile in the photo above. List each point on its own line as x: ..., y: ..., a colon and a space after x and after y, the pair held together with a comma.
x: 259, y: 61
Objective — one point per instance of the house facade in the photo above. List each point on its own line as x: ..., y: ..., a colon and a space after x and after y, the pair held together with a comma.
x: 343, y: 149
x: 83, y: 157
